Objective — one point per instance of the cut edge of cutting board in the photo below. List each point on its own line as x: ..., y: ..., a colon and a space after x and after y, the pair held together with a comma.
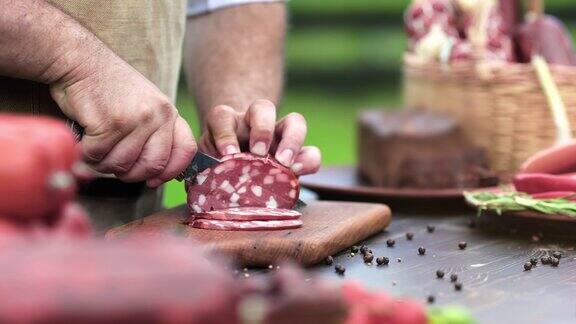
x: 272, y: 247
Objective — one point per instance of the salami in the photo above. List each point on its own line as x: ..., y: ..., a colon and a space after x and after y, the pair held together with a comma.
x: 243, y: 180
x: 249, y: 214
x: 223, y: 225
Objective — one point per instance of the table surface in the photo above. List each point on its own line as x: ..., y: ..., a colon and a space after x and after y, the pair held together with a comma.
x: 496, y: 287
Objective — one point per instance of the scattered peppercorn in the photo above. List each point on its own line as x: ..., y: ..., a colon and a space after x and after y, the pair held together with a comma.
x: 390, y: 242
x: 462, y: 245
x: 554, y: 261
x: 340, y: 269
x: 421, y: 250
x: 458, y: 286
x: 430, y: 228
x: 557, y: 254
x: 431, y: 299
x: 368, y: 257
x: 453, y: 277
x: 545, y: 260
x: 382, y: 261
x: 329, y: 260
x: 399, y: 260
x: 439, y: 274
x: 354, y: 249
x: 527, y: 266
x: 409, y: 236
x: 534, y: 261
x: 363, y: 249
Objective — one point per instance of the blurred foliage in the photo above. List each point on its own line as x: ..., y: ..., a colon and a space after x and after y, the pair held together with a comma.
x: 342, y: 56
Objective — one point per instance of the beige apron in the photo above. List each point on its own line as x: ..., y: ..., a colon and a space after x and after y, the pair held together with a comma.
x: 148, y: 34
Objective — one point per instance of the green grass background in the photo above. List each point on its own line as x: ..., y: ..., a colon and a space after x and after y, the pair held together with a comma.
x: 342, y: 56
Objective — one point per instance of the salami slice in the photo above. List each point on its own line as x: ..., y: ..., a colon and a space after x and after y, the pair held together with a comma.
x: 244, y: 180
x: 224, y: 225
x: 248, y: 214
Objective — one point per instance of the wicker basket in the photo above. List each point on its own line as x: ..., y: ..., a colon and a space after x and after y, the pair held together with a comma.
x: 500, y: 106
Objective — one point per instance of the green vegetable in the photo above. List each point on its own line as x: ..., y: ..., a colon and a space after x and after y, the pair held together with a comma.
x: 449, y: 315
x: 518, y: 201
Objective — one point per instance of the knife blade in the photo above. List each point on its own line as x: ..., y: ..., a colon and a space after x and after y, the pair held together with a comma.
x: 200, y: 162
x: 203, y: 161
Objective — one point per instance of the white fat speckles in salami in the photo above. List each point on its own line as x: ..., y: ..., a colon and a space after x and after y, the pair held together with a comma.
x: 268, y: 180
x: 272, y: 203
x: 225, y: 225
x: 196, y: 208
x: 201, y: 200
x: 257, y: 190
x: 245, y: 180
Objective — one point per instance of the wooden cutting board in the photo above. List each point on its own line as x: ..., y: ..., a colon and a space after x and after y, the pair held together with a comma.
x: 329, y: 227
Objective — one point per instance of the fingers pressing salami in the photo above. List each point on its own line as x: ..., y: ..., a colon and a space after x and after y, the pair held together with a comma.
x: 244, y: 188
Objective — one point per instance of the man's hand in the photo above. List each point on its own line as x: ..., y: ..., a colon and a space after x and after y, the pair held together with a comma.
x: 227, y: 130
x: 131, y: 128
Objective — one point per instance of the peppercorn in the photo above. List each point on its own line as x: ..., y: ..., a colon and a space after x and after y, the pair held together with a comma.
x: 534, y: 261
x: 430, y: 228
x: 382, y: 261
x: 368, y: 257
x: 458, y: 286
x: 329, y: 260
x: 421, y: 250
x: 545, y: 260
x: 557, y: 254
x: 399, y: 260
x: 390, y: 242
x: 354, y: 249
x: 431, y: 299
x: 453, y: 277
x: 554, y: 261
x: 340, y: 269
x: 527, y: 266
x: 439, y: 274
x: 363, y: 249
x: 462, y: 245
x: 409, y: 236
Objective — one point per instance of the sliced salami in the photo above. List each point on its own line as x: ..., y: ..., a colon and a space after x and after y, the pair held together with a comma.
x: 248, y: 214
x: 243, y: 180
x: 224, y: 225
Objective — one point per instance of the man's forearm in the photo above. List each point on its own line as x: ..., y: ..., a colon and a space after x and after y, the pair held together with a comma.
x: 235, y: 56
x: 41, y: 43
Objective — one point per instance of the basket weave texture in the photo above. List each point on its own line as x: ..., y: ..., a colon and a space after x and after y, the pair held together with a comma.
x: 500, y: 106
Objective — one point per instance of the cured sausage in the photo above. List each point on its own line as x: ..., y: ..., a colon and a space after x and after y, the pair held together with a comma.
x: 254, y: 225
x: 248, y: 214
x: 534, y: 183
x: 554, y: 160
x: 243, y: 180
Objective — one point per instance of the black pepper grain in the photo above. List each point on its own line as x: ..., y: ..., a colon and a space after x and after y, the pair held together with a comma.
x: 430, y: 228
x: 439, y: 274
x: 339, y: 269
x: 382, y: 261
x: 453, y: 277
x: 545, y: 260
x: 431, y: 299
x: 421, y: 250
x: 527, y: 266
x: 557, y: 254
x: 409, y: 236
x: 462, y: 245
x: 368, y: 257
x: 354, y: 249
x: 399, y: 260
x: 554, y: 261
x: 329, y: 260
x: 534, y: 261
x: 390, y: 242
x: 458, y: 286
x: 363, y: 249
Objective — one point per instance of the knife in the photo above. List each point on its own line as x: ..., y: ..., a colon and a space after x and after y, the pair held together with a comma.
x: 203, y: 161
